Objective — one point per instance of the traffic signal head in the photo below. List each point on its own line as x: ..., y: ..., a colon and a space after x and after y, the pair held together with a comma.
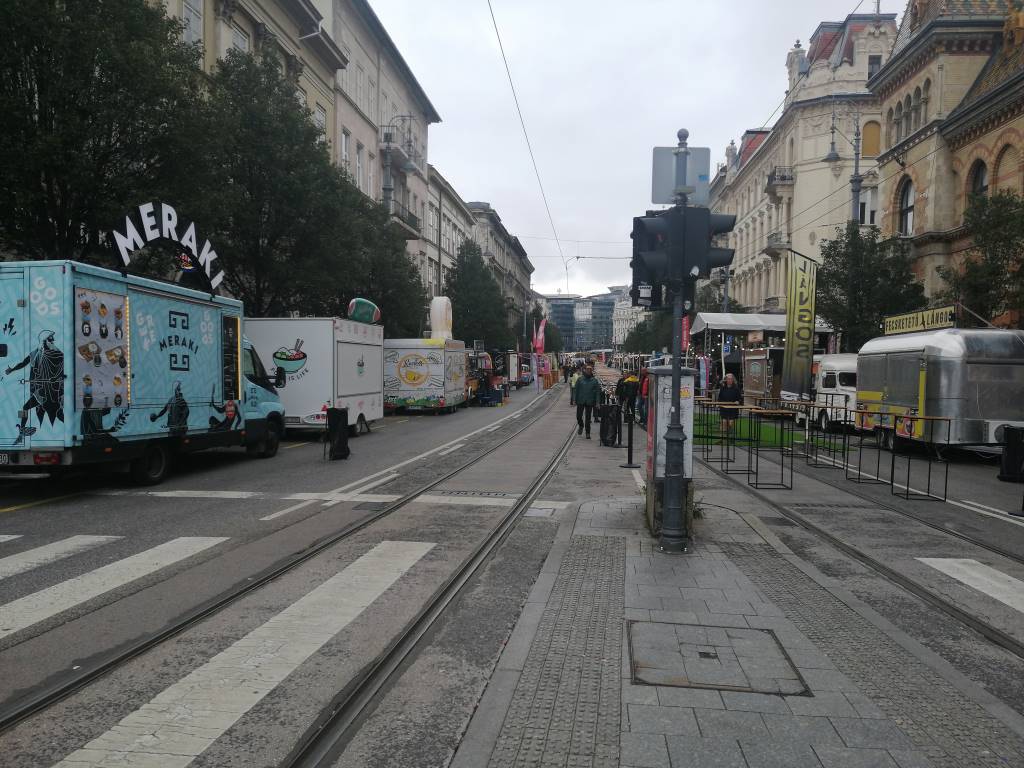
x: 700, y: 255
x: 650, y: 259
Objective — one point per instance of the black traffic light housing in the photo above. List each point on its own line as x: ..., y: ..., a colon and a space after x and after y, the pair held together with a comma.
x: 650, y: 260
x: 699, y: 252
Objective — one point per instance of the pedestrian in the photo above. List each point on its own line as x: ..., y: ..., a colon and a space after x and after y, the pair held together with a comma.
x: 626, y: 391
x: 572, y: 386
x: 588, y: 392
x: 729, y: 393
x: 565, y: 373
x: 645, y: 383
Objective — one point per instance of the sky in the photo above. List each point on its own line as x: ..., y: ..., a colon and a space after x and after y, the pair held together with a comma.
x: 600, y: 83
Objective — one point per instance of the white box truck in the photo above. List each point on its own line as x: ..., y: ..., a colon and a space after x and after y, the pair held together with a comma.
x: 328, y: 362
x: 424, y: 374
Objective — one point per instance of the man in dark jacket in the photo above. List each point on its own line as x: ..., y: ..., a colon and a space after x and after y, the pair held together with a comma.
x: 588, y: 394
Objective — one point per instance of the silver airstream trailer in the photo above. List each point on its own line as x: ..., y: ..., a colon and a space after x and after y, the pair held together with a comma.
x: 974, y: 378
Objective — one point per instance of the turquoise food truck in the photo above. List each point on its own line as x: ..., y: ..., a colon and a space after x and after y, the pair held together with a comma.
x: 100, y: 366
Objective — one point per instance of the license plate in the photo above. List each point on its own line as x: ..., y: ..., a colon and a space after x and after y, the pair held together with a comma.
x: 5, y: 458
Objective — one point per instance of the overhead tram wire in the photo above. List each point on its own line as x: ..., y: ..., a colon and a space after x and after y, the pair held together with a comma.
x: 529, y: 147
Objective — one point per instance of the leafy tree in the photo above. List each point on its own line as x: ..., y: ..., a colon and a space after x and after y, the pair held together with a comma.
x: 478, y: 307
x: 711, y: 295
x: 654, y: 332
x: 553, y: 338
x: 990, y: 280
x: 860, y: 280
x: 96, y: 107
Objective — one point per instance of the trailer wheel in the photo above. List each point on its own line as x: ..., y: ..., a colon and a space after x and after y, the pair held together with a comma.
x: 152, y: 466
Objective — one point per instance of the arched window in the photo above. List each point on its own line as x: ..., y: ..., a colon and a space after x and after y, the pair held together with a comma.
x: 979, y: 179
x: 917, y: 108
x: 899, y: 122
x: 1006, y: 176
x: 906, y: 210
x: 924, y: 101
x: 908, y: 115
x: 871, y: 139
x: 890, y: 130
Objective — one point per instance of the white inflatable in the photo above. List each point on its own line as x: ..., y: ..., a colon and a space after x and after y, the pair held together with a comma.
x: 440, y: 318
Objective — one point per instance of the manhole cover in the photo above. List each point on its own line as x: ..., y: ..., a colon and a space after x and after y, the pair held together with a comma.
x: 725, y: 658
x: 491, y: 494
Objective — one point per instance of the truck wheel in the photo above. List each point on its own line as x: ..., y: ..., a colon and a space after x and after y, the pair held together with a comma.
x: 152, y: 466
x: 823, y: 422
x: 267, y: 447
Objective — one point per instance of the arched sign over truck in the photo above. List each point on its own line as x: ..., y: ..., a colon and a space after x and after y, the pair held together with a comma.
x: 160, y: 221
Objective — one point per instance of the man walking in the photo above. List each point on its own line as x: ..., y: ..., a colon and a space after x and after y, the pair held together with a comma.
x: 588, y: 392
x: 572, y: 386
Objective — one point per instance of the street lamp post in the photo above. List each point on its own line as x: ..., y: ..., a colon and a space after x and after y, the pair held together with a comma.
x: 856, y: 180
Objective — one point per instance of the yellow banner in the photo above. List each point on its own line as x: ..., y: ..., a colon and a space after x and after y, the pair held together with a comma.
x: 921, y: 320
x: 796, y: 363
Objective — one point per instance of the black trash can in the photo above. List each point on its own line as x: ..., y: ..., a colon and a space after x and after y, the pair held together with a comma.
x: 337, y: 433
x: 1012, y: 468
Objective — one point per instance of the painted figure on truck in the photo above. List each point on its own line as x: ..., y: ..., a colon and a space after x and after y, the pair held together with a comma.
x: 177, y: 412
x: 46, y: 384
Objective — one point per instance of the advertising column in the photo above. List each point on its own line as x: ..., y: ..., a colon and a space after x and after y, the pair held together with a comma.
x: 796, y: 365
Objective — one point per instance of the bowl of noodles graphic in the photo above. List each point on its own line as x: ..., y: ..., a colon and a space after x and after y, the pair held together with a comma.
x: 291, y: 360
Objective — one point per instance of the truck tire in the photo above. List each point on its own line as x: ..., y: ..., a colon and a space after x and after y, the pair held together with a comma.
x: 824, y: 425
x: 267, y: 447
x: 152, y: 466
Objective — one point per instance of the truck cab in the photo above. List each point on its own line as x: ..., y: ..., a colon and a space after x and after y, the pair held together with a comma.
x: 835, y: 389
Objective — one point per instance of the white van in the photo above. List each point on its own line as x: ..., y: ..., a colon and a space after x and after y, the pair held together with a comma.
x: 835, y: 388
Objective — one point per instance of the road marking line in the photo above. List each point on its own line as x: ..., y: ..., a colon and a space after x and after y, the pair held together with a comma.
x: 203, y: 494
x: 638, y: 479
x: 48, y: 553
x: 400, y: 421
x: 9, y: 537
x: 293, y: 508
x: 350, y: 496
x: 495, y: 428
x: 551, y: 504
x: 41, y: 605
x: 475, y: 501
x: 985, y: 506
x: 297, y: 445
x: 995, y: 584
x: 182, y: 721
x: 37, y: 502
x: 454, y: 448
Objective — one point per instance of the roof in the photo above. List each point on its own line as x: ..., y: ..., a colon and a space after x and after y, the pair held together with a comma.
x: 944, y: 10
x: 726, y: 321
x: 824, y: 39
x: 1005, y: 63
x: 752, y: 139
x: 366, y: 12
x: 973, y: 343
x: 436, y: 175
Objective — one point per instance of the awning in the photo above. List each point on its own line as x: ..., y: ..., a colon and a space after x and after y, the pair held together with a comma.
x: 735, y: 323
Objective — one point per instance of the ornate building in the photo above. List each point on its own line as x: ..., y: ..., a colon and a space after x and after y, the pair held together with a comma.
x: 786, y: 186
x: 952, y: 94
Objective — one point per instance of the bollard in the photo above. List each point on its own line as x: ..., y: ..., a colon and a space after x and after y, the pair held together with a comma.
x: 629, y: 449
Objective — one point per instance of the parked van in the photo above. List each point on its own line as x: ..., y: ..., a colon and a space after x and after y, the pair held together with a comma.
x: 328, y: 362
x: 96, y: 366
x: 835, y: 389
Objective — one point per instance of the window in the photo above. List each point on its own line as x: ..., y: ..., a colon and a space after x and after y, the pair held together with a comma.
x: 828, y: 381
x: 847, y: 379
x: 874, y: 64
x: 1006, y: 177
x: 300, y: 94
x: 346, y: 138
x: 871, y: 139
x: 192, y: 16
x: 908, y: 116
x: 239, y: 38
x: 917, y: 108
x: 370, y: 189
x: 360, y: 87
x: 320, y: 117
x: 359, y: 167
x: 979, y: 179
x: 898, y: 122
x: 906, y: 211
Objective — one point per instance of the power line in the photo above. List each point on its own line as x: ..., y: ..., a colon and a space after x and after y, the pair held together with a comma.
x: 529, y: 147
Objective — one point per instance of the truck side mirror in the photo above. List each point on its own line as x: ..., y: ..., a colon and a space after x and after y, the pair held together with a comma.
x: 280, y: 378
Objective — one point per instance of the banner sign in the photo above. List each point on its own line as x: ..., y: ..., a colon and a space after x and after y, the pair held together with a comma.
x: 921, y: 320
x: 796, y: 363
x: 686, y: 332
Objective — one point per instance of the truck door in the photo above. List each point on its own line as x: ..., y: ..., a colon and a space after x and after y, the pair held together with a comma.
x: 14, y: 353
x: 259, y: 396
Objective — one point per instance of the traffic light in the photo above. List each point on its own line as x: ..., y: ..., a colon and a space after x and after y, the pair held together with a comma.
x: 702, y: 227
x: 650, y: 260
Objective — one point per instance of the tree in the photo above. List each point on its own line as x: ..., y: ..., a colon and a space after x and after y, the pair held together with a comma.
x: 710, y: 297
x: 990, y: 280
x: 96, y: 107
x: 654, y: 332
x: 478, y: 307
x: 553, y: 338
x: 860, y: 280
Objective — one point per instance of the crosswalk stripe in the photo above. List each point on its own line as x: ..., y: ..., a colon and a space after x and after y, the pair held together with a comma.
x: 48, y: 553
x: 995, y: 584
x: 185, y: 719
x: 473, y: 501
x: 350, y: 495
x: 9, y: 537
x: 32, y: 609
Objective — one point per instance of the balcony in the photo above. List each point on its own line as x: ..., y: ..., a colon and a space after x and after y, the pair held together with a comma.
x: 404, y: 154
x: 407, y: 222
x: 780, y: 183
x: 776, y: 244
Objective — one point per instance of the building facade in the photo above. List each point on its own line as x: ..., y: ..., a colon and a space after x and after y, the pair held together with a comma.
x: 952, y: 96
x: 786, y: 186
x: 507, y: 259
x: 449, y: 224
x: 559, y: 309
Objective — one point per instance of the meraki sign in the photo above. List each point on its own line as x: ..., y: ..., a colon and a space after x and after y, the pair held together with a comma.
x: 159, y: 221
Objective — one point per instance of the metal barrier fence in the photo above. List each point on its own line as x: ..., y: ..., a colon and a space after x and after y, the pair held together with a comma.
x: 773, y: 433
x: 925, y: 426
x: 861, y: 475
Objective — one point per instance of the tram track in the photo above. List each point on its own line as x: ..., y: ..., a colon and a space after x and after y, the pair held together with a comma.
x: 990, y: 632
x: 43, y: 698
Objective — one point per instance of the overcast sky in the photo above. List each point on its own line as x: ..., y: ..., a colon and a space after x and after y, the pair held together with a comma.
x: 600, y: 83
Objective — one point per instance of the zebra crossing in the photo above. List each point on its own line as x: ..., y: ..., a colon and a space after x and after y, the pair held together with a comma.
x: 28, y: 610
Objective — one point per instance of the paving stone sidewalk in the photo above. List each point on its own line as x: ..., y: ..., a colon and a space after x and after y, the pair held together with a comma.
x: 732, y: 655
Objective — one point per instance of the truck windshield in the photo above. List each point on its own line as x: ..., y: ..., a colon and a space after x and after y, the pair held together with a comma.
x: 252, y: 365
x: 847, y: 379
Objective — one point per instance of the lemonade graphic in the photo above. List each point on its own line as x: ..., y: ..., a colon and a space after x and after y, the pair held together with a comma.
x: 413, y: 370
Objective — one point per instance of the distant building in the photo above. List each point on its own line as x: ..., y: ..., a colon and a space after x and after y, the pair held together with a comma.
x: 559, y: 309
x: 507, y: 259
x: 449, y: 224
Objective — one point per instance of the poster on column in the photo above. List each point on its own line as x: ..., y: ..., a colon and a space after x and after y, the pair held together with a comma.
x: 101, y: 350
x: 799, y: 354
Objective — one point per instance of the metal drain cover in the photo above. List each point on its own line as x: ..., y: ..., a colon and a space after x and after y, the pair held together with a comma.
x: 724, y: 658
x: 488, y: 494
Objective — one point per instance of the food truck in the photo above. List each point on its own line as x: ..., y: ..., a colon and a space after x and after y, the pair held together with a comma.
x: 99, y: 366
x: 329, y: 362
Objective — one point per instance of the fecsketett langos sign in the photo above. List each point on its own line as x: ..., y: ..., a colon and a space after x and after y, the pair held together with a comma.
x: 920, y: 320
x: 159, y: 221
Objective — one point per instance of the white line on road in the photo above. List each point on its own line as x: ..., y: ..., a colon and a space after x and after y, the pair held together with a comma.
x: 996, y: 584
x: 469, y: 501
x: 288, y: 510
x: 49, y: 553
x: 41, y: 605
x: 454, y: 448
x: 204, y: 494
x: 985, y: 506
x: 9, y: 537
x: 337, y: 499
x: 185, y: 719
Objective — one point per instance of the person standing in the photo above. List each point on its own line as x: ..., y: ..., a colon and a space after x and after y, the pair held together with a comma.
x: 645, y: 383
x: 565, y: 373
x: 572, y: 386
x: 588, y: 392
x: 729, y: 393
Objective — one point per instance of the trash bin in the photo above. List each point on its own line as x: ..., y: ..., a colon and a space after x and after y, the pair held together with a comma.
x: 337, y: 433
x: 1012, y: 468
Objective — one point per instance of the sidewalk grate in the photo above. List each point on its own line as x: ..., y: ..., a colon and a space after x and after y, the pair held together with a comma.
x: 950, y: 728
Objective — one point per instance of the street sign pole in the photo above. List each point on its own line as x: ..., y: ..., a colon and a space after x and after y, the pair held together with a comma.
x: 673, y: 521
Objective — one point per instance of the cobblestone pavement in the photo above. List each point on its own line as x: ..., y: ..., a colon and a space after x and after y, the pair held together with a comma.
x: 565, y: 710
